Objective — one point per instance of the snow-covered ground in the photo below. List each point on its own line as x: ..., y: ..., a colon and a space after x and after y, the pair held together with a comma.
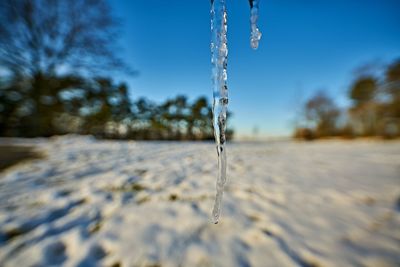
x: 105, y: 203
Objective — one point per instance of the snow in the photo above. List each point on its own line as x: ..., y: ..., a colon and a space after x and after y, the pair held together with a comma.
x: 104, y: 203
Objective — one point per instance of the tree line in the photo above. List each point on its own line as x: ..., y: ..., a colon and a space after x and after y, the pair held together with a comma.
x: 374, y: 109
x: 50, y: 106
x: 56, y: 59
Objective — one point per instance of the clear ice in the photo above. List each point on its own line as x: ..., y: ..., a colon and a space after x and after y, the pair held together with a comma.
x: 219, y: 61
x: 255, y: 35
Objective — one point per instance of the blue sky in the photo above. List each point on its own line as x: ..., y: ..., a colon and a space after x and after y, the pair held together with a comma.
x: 306, y: 45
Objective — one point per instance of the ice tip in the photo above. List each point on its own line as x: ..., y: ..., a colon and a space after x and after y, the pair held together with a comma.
x: 254, y: 45
x: 255, y: 39
x: 251, y: 3
x: 215, y: 219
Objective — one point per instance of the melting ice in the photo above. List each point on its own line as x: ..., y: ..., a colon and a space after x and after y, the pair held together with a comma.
x: 219, y: 61
x: 255, y: 35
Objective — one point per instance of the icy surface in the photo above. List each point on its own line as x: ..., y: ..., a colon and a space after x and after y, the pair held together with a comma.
x: 103, y: 203
x: 219, y: 61
x: 255, y: 34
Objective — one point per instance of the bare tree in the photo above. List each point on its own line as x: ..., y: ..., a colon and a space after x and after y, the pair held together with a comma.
x: 57, y: 36
x: 46, y: 48
x: 323, y: 113
x: 363, y: 90
x: 364, y: 112
x: 392, y: 107
x: 393, y: 80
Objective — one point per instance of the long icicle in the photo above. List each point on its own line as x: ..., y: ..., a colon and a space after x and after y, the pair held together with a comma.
x: 219, y: 60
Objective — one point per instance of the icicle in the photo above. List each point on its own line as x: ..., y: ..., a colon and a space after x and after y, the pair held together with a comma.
x: 255, y: 35
x: 219, y: 59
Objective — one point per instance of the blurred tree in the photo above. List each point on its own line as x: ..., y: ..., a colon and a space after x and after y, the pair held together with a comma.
x: 52, y: 37
x: 304, y: 133
x: 375, y: 109
x: 393, y: 79
x: 364, y: 112
x: 106, y: 108
x: 199, y: 124
x: 363, y: 90
x: 44, y: 46
x: 179, y: 112
x: 174, y: 119
x: 322, y: 113
x: 391, y: 110
x: 24, y: 99
x: 144, y: 115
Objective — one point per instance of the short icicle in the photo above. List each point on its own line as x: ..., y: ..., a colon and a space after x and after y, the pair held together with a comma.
x: 255, y: 34
x: 219, y: 59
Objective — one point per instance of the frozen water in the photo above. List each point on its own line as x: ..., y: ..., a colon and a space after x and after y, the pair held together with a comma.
x: 255, y: 35
x: 219, y: 61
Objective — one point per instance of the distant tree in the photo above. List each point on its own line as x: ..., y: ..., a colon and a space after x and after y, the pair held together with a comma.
x: 393, y: 79
x: 322, y: 113
x: 304, y: 133
x: 179, y: 111
x: 24, y: 100
x: 167, y: 118
x: 145, y: 113
x: 174, y: 119
x: 199, y: 124
x: 375, y: 109
x: 106, y: 106
x: 365, y: 110
x: 363, y: 90
x: 46, y: 48
x: 391, y: 109
x: 49, y: 37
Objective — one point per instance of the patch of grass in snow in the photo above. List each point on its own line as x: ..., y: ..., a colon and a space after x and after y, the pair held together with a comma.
x: 132, y: 187
x: 95, y: 227
x: 136, y: 187
x: 173, y: 197
x: 140, y: 172
x: 11, y: 155
x: 143, y: 200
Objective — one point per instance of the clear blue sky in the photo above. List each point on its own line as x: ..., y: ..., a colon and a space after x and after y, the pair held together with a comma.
x: 306, y: 45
